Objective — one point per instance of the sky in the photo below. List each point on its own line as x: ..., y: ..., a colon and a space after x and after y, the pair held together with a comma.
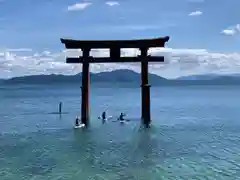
x: 204, y: 34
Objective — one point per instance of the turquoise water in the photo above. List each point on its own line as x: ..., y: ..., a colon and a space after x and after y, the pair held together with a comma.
x: 194, y: 135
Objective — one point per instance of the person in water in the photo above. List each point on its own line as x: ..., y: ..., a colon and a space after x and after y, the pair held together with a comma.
x: 121, y: 117
x: 104, y: 115
x: 77, y: 121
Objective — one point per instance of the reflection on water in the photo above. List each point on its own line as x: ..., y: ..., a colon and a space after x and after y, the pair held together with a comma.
x: 196, y: 138
x: 129, y: 153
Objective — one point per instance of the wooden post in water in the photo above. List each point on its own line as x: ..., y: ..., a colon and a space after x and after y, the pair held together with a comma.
x: 60, y: 108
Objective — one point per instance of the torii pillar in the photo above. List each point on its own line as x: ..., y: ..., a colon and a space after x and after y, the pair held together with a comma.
x: 85, y: 87
x: 145, y: 88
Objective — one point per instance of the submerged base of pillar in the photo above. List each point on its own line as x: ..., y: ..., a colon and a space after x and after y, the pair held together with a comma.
x: 85, y: 121
x: 146, y: 114
x: 84, y: 107
x: 146, y: 122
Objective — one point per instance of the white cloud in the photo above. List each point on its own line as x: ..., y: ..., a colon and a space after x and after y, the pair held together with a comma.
x: 20, y: 50
x: 229, y: 32
x: 178, y: 62
x: 232, y: 30
x: 195, y: 13
x: 112, y: 3
x: 79, y: 6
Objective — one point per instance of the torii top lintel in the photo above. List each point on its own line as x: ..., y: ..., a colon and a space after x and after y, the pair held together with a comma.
x: 108, y: 44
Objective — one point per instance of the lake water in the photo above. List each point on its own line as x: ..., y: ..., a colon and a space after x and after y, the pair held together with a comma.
x: 195, y: 134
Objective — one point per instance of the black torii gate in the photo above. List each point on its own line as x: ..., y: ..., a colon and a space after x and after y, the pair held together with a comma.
x: 115, y: 57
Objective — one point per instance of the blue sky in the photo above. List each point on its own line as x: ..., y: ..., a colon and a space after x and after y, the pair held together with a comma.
x: 191, y: 24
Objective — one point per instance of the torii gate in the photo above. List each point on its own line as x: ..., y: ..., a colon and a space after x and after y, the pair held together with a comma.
x: 115, y: 57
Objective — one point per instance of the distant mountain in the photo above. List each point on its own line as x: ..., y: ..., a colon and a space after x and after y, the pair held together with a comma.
x: 215, y: 77
x: 126, y: 77
x: 117, y: 76
x: 199, y: 77
x: 209, y: 79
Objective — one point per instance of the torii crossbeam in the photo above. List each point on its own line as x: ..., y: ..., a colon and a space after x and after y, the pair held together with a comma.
x: 115, y: 57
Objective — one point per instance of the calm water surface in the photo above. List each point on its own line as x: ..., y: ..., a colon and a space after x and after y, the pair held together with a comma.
x: 195, y: 134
